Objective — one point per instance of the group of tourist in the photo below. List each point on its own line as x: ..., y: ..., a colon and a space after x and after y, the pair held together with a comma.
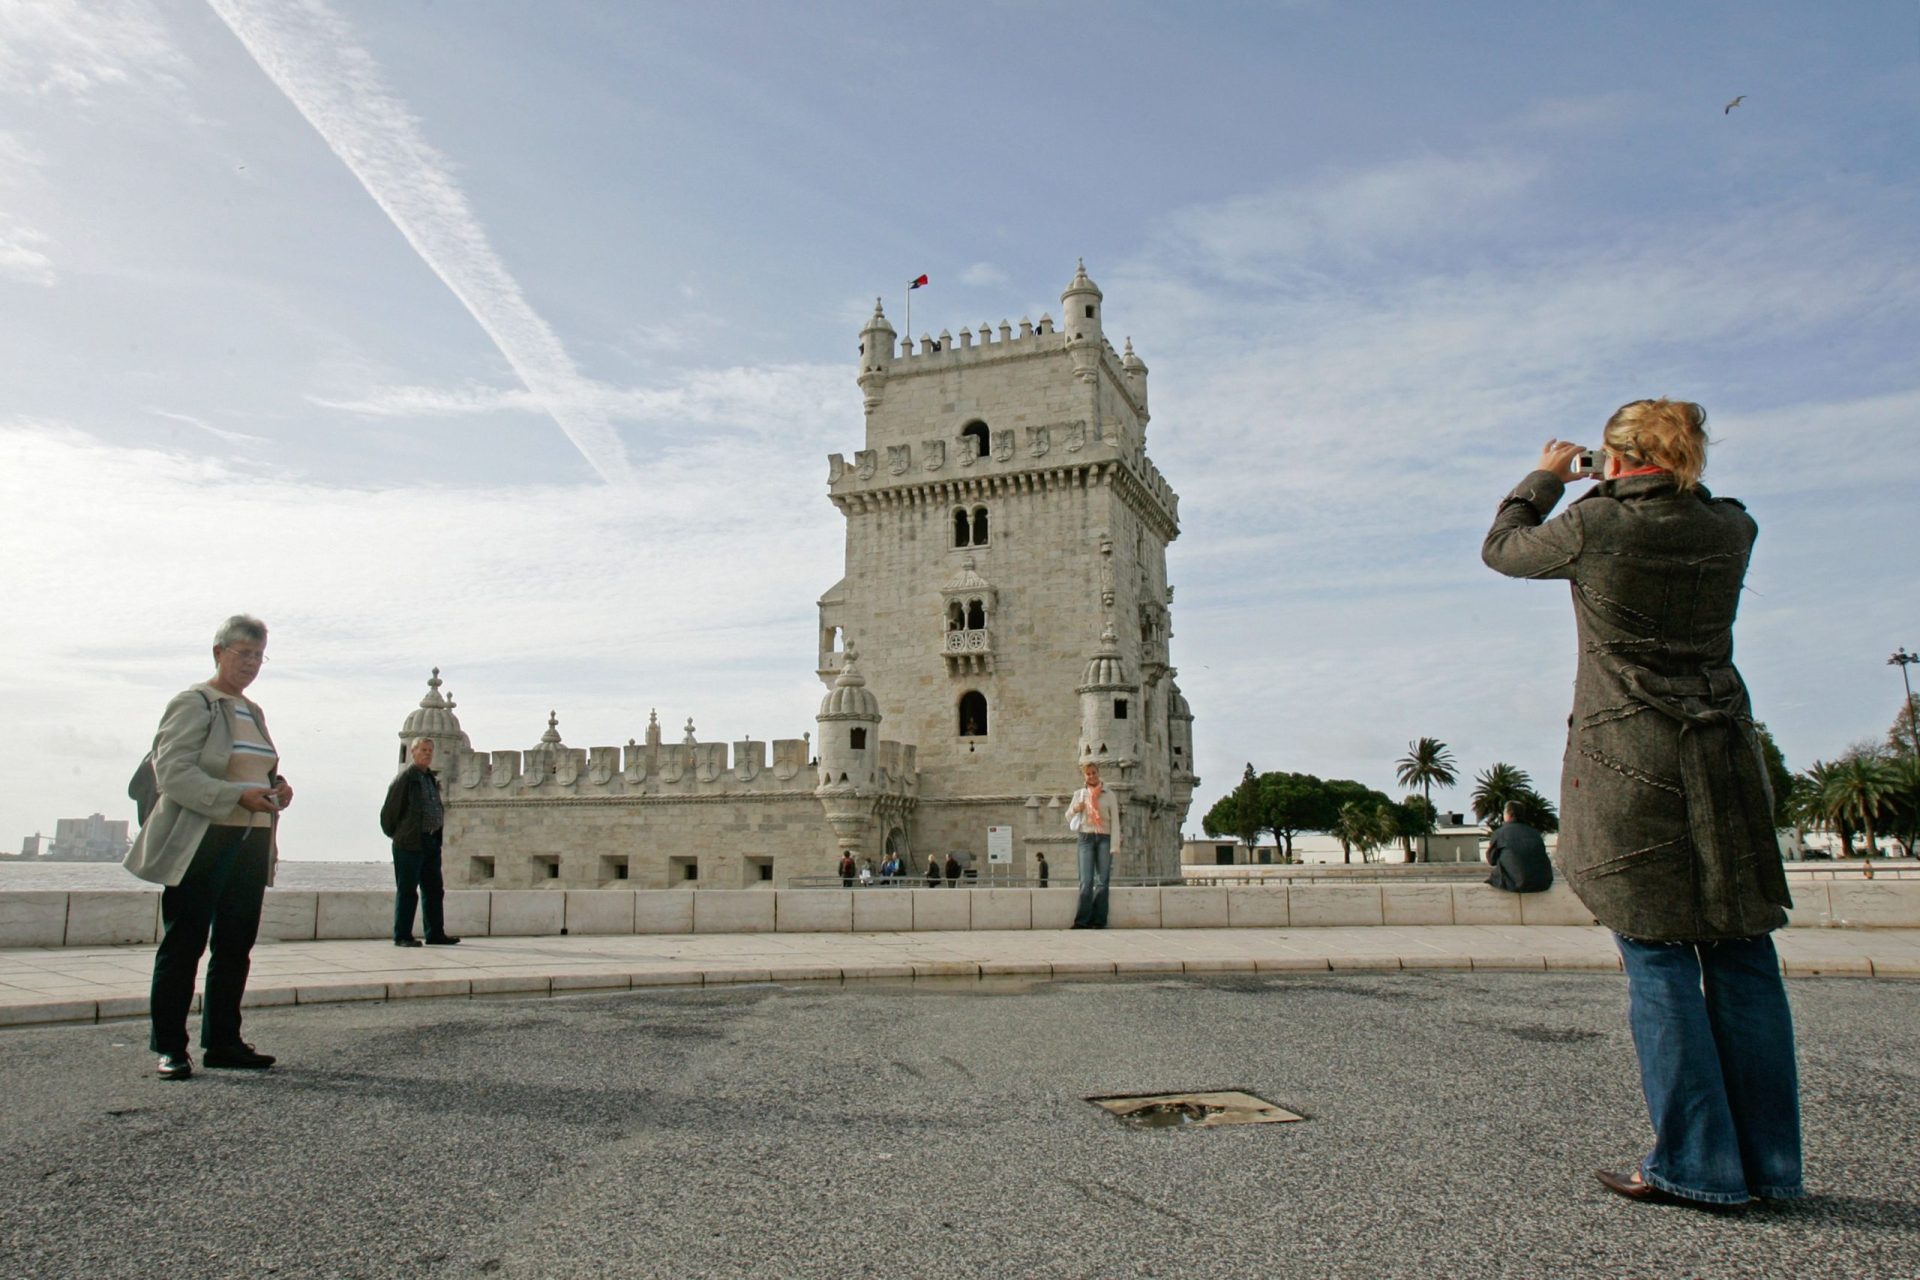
x: 1666, y: 813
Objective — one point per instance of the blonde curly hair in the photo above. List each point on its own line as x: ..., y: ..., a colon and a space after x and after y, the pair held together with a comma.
x: 1669, y: 434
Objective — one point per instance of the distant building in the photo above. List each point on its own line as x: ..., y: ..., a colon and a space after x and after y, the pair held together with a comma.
x: 88, y: 839
x: 1452, y: 841
x: 30, y: 845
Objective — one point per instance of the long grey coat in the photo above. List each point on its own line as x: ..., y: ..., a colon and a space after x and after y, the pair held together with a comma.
x: 1666, y: 815
x: 190, y: 763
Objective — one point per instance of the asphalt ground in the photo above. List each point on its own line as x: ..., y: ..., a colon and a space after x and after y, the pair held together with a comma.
x: 935, y: 1129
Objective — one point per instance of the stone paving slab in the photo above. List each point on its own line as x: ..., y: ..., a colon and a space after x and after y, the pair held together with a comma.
x: 40, y: 985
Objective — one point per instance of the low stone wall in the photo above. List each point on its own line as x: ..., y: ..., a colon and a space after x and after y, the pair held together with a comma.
x: 132, y: 916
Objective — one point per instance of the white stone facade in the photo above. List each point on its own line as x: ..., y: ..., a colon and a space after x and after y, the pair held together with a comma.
x: 1004, y: 616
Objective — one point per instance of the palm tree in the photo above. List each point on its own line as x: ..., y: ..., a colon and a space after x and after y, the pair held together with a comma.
x: 1860, y: 788
x: 1821, y: 783
x: 1427, y: 761
x: 1358, y: 826
x: 1496, y: 786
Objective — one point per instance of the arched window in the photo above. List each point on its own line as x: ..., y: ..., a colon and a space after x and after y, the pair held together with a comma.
x: 976, y: 616
x: 973, y: 714
x: 979, y: 527
x: 978, y: 433
x: 956, y: 617
x: 857, y: 739
x: 962, y: 529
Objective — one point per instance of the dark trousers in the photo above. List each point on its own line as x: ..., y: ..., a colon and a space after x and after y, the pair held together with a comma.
x: 218, y: 898
x: 417, y: 883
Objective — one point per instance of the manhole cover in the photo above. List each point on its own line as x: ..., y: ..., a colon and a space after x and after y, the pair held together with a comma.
x: 1194, y: 1110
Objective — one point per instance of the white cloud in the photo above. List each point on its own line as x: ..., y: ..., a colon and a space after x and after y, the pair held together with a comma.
x: 983, y: 275
x: 1340, y: 442
x: 218, y: 433
x: 74, y: 48
x: 1293, y: 229
x: 315, y: 59
x: 698, y: 600
x: 743, y: 397
x: 21, y: 258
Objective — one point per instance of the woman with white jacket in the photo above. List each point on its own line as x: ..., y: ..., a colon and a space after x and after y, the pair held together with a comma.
x: 1095, y: 814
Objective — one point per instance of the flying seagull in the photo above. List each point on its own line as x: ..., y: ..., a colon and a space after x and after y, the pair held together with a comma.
x: 1731, y: 105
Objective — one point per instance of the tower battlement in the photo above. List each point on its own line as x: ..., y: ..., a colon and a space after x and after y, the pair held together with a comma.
x: 657, y: 770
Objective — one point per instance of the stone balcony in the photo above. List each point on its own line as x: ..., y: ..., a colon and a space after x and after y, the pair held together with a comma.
x: 969, y: 652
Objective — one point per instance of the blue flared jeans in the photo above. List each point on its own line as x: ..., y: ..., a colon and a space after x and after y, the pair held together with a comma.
x: 1096, y: 869
x: 1715, y: 1041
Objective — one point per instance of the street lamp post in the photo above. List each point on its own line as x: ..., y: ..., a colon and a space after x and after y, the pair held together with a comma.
x: 1902, y: 659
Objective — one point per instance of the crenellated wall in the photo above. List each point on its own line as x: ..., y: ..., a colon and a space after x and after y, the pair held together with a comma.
x: 649, y: 815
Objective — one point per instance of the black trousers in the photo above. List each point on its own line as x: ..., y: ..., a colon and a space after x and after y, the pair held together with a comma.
x: 218, y: 898
x: 417, y: 883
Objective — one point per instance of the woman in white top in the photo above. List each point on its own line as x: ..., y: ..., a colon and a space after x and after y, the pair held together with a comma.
x: 1095, y: 814
x: 210, y: 841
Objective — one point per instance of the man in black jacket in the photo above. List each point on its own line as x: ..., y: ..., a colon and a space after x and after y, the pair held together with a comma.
x: 1519, y: 857
x: 413, y: 819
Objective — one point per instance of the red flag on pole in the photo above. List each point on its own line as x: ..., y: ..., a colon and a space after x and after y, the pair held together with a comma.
x: 917, y: 283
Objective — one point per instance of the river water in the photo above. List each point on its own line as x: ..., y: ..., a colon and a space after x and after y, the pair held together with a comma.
x: 61, y: 877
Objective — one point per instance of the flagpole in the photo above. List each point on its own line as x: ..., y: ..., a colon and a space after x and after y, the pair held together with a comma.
x: 909, y: 317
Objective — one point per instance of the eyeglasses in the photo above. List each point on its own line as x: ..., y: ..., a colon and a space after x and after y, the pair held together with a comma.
x: 247, y: 655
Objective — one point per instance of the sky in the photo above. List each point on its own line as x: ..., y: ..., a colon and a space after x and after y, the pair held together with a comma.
x: 511, y: 339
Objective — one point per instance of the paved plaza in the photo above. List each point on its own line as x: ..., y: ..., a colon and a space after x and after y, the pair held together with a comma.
x: 87, y: 984
x: 935, y: 1128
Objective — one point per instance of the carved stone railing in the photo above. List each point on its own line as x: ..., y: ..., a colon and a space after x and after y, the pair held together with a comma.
x: 969, y: 652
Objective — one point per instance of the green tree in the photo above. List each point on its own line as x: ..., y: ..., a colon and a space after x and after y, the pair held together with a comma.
x: 1779, y: 776
x: 1237, y: 813
x: 1903, y: 808
x: 1427, y: 761
x: 1494, y: 787
x: 1414, y: 816
x: 1819, y: 787
x: 1900, y: 738
x: 1538, y: 812
x: 1363, y: 826
x: 1291, y: 803
x: 1861, y: 788
x: 1359, y: 829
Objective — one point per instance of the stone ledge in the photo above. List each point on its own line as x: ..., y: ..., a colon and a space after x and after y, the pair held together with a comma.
x: 35, y: 918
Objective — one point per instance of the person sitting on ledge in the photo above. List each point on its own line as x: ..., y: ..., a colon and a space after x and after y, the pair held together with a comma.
x: 1519, y: 856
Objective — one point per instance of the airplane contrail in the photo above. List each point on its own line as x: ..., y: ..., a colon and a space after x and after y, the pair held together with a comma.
x: 311, y: 54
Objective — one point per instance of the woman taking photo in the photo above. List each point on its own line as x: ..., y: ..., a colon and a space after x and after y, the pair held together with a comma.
x: 210, y: 841
x: 1666, y: 823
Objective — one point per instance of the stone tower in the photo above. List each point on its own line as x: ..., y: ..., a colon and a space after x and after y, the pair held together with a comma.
x: 1006, y: 581
x: 434, y: 719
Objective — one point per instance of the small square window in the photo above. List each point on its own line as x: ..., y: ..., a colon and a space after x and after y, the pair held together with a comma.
x: 614, y: 868
x: 480, y: 868
x: 546, y: 866
x: 1119, y: 708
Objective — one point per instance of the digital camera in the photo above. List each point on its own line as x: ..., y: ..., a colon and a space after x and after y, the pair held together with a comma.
x: 1589, y: 462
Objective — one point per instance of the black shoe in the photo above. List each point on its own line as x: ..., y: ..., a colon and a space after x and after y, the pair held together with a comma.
x: 237, y: 1057
x: 174, y: 1066
x: 444, y: 940
x: 406, y: 942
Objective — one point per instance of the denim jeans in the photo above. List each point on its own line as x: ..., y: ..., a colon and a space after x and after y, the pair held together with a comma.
x: 219, y: 897
x: 1096, y: 869
x: 417, y: 883
x: 1715, y: 1041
